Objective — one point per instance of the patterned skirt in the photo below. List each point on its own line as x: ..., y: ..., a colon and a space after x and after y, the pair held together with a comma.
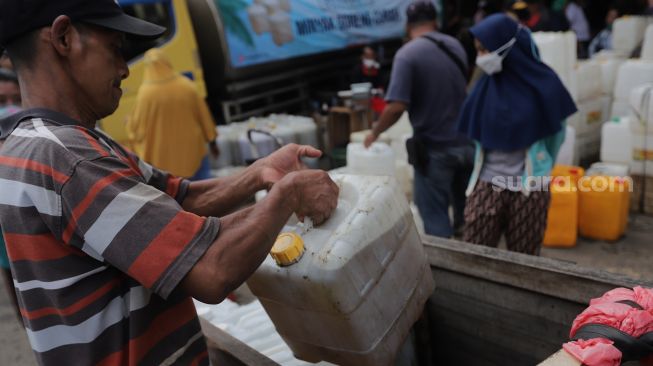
x: 491, y: 212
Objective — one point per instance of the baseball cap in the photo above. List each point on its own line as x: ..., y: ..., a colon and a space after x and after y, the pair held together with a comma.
x: 421, y: 11
x: 20, y: 17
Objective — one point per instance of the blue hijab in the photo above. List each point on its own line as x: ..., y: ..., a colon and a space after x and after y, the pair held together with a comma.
x: 522, y: 104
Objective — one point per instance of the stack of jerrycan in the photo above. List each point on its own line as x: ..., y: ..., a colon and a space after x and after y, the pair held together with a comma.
x: 558, y: 50
x: 628, y: 33
x: 562, y: 221
x: 632, y: 74
x: 349, y: 291
x: 604, y: 202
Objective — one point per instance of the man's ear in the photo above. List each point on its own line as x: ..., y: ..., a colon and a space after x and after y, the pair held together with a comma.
x: 61, y: 34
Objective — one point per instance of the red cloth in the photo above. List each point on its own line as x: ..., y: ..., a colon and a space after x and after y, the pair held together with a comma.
x: 370, y: 71
x: 378, y: 104
x: 533, y: 20
x: 607, y: 311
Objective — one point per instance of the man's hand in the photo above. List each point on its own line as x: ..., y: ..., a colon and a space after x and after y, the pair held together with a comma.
x: 215, y: 150
x: 219, y: 197
x: 390, y: 116
x: 284, y: 161
x: 246, y: 236
x: 370, y: 139
x: 312, y: 194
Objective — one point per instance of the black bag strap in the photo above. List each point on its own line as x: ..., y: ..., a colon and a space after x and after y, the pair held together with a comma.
x: 631, y: 348
x: 452, y: 56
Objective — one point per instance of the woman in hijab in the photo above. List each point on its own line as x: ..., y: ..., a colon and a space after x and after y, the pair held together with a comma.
x: 171, y: 124
x: 515, y: 115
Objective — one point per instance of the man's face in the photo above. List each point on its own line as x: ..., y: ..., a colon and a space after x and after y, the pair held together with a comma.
x: 98, y: 67
x: 369, y: 54
x: 9, y: 94
x: 611, y: 16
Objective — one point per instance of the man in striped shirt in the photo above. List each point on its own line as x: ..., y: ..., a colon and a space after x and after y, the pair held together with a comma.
x: 106, y: 250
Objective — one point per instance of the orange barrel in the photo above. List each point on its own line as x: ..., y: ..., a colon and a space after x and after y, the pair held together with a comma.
x: 562, y: 220
x: 603, y: 207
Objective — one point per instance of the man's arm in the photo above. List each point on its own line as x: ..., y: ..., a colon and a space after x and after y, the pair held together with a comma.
x: 218, y: 197
x: 221, y: 196
x: 391, y: 114
x: 247, y: 236
x: 398, y: 96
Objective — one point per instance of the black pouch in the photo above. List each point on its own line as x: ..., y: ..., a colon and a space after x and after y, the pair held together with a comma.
x: 418, y: 155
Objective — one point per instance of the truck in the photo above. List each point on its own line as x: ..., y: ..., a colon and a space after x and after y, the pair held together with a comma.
x: 490, y: 307
x: 254, y: 57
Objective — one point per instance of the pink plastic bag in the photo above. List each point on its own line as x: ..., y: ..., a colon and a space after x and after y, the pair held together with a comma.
x: 607, y: 310
x: 594, y: 352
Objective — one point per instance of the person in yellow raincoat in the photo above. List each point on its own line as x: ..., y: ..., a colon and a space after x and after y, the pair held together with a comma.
x: 171, y: 124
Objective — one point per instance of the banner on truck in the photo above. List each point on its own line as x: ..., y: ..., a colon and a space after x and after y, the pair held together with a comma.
x: 262, y: 31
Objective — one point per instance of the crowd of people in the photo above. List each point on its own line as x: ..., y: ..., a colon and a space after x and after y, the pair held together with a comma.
x: 455, y: 142
x: 590, y: 20
x: 505, y: 121
x: 94, y: 231
x: 474, y: 152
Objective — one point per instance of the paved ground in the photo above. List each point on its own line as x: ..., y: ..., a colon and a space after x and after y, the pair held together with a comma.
x: 631, y: 256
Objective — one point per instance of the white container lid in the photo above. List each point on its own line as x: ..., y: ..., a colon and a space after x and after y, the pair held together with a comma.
x: 608, y: 169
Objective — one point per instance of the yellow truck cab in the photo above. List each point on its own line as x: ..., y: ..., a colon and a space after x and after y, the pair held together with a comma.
x: 178, y: 43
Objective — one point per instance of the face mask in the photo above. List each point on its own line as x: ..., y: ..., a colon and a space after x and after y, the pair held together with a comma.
x: 492, y: 63
x: 370, y: 64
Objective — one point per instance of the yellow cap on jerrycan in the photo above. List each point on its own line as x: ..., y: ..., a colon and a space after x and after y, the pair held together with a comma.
x: 288, y: 249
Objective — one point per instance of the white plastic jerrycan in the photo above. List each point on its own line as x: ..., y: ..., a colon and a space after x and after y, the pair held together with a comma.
x: 349, y: 291
x: 379, y: 159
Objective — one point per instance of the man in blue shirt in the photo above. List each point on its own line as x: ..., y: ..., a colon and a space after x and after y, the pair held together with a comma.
x: 429, y: 79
